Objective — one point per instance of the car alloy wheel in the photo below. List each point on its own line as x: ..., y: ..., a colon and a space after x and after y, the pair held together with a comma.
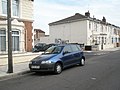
x: 58, y: 68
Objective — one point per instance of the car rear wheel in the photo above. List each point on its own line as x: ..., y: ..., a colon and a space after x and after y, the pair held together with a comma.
x: 58, y: 68
x: 82, y: 62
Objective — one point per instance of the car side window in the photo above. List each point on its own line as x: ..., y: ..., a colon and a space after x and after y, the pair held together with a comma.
x: 75, y: 48
x: 79, y: 47
x: 67, y: 49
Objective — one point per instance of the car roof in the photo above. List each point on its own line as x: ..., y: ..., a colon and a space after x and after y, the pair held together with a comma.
x: 66, y: 44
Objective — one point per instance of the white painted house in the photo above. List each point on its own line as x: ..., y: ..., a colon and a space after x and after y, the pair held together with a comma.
x: 22, y: 19
x: 85, y: 30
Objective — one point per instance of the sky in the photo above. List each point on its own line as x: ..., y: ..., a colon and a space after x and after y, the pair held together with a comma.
x: 47, y: 11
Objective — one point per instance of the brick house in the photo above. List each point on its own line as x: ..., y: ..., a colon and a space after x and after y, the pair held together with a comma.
x: 22, y: 19
x: 38, y: 33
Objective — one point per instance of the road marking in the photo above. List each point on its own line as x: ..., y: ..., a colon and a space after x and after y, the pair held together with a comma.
x: 93, y: 78
x: 100, y: 53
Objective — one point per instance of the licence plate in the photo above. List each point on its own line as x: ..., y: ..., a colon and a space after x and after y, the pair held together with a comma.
x: 35, y: 67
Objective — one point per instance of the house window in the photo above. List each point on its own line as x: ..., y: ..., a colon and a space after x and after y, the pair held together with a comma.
x: 101, y: 28
x: 89, y: 26
x: 112, y: 40
x: 105, y: 41
x: 4, y: 6
x: 2, y: 40
x: 96, y: 27
x: 98, y: 41
x: 15, y: 40
x: 116, y: 40
x: 15, y: 7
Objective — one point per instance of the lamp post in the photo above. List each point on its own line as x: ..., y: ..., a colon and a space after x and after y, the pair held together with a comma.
x: 10, y: 62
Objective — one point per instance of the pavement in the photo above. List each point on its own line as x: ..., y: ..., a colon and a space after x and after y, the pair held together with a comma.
x: 21, y: 61
x: 20, y: 64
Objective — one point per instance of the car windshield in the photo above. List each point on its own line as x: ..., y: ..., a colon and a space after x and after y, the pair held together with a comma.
x: 53, y: 50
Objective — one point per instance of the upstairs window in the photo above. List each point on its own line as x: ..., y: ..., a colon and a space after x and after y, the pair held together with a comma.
x: 14, y: 7
x: 89, y: 26
x: 102, y: 28
x: 4, y: 6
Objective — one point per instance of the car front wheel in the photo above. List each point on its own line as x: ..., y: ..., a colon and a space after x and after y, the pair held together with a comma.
x: 82, y: 62
x: 58, y: 68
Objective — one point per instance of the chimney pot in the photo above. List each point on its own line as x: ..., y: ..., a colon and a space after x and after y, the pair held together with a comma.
x: 104, y: 19
x: 87, y: 14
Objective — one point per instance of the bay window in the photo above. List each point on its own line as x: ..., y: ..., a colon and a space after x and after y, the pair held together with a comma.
x: 15, y: 40
x: 2, y: 40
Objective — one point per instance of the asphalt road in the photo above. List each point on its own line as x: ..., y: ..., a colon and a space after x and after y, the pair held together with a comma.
x: 101, y: 72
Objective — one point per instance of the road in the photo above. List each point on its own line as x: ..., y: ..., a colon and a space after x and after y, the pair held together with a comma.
x: 101, y: 72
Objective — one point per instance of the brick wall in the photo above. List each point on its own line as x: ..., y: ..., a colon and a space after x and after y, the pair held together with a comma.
x: 28, y: 36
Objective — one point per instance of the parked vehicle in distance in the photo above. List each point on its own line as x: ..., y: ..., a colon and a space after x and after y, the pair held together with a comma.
x: 39, y: 47
x: 56, y: 58
x: 49, y: 45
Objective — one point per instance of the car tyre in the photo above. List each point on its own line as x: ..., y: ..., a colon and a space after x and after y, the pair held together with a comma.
x: 82, y: 62
x: 58, y: 68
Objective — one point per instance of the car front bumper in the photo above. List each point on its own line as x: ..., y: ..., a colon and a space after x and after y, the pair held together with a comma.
x: 41, y: 67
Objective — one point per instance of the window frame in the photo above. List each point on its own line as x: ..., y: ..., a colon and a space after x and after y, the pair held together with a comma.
x: 3, y: 35
x: 14, y: 37
x: 12, y: 9
x: 3, y: 7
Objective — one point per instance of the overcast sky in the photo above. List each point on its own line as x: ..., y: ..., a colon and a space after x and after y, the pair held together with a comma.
x: 47, y: 11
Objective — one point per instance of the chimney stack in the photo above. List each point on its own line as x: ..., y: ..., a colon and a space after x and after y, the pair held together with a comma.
x: 104, y: 19
x: 87, y: 14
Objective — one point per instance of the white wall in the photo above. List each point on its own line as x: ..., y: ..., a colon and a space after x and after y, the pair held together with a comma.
x: 26, y: 9
x: 45, y: 40
x: 75, y: 32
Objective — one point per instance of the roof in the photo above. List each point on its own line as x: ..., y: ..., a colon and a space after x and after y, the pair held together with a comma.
x: 77, y: 16
x: 41, y: 31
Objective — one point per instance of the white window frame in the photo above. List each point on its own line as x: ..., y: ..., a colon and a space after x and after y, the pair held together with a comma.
x: 18, y: 8
x: 3, y: 14
x: 4, y: 35
x: 14, y: 35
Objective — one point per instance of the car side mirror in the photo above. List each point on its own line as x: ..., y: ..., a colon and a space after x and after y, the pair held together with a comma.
x: 65, y: 52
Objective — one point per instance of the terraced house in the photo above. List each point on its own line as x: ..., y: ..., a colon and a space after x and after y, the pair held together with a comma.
x: 22, y: 19
x: 85, y: 30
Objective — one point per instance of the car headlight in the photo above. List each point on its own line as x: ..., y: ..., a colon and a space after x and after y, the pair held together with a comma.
x: 46, y: 62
